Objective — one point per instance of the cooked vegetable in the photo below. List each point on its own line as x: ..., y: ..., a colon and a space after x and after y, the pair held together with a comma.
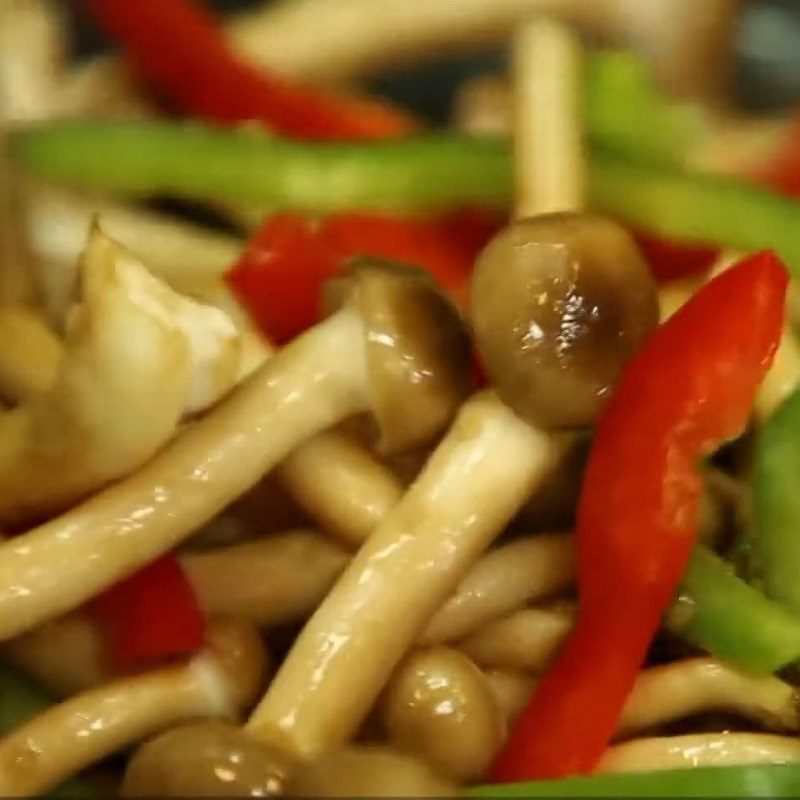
x: 65, y: 738
x: 439, y: 706
x: 205, y: 759
x: 150, y: 616
x: 559, y: 303
x: 319, y: 379
x: 367, y: 772
x: 747, y: 781
x: 776, y: 504
x: 525, y: 570
x: 689, y: 387
x: 177, y: 46
x: 469, y: 489
x: 134, y: 351
x: 276, y: 580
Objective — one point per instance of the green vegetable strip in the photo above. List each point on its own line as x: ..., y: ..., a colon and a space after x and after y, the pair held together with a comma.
x: 140, y: 157
x: 19, y: 701
x: 193, y: 162
x: 732, y: 620
x: 776, y: 502
x: 758, y: 780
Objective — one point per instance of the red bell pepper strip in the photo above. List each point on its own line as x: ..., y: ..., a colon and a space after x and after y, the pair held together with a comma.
x: 690, y: 386
x: 670, y: 260
x: 178, y: 47
x: 150, y: 616
x: 282, y: 269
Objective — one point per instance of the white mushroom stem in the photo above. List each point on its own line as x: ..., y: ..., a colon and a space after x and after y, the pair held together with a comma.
x: 136, y: 357
x: 278, y: 580
x: 30, y: 356
x: 700, y: 750
x: 341, y: 485
x: 525, y: 570
x: 66, y: 738
x: 527, y: 640
x: 670, y: 692
x: 468, y: 491
x: 548, y: 107
x: 66, y: 655
x: 312, y: 384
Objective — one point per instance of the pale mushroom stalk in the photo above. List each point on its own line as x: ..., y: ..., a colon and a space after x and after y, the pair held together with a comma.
x: 135, y: 351
x: 315, y: 382
x: 700, y: 750
x: 525, y: 570
x: 526, y: 640
x: 470, y: 488
x: 277, y: 580
x: 31, y: 354
x: 221, y: 681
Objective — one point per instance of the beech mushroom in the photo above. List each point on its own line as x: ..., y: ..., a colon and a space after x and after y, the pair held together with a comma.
x: 221, y: 681
x: 327, y: 374
x: 205, y: 759
x: 439, y: 705
x: 368, y: 771
x: 134, y: 351
x: 700, y: 750
x: 524, y: 570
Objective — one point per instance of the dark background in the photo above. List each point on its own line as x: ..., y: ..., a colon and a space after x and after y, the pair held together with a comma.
x: 767, y: 48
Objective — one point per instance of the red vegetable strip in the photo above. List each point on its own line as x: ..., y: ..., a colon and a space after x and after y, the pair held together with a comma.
x: 150, y: 616
x: 178, y: 47
x: 281, y: 271
x: 691, y: 386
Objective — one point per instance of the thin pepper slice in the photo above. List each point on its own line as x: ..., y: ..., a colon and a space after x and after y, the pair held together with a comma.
x: 150, y: 616
x: 776, y: 504
x: 691, y: 386
x: 178, y: 47
x: 756, y: 780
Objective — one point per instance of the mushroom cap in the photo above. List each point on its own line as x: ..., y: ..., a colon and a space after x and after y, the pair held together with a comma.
x: 559, y: 303
x: 418, y: 349
x: 205, y: 759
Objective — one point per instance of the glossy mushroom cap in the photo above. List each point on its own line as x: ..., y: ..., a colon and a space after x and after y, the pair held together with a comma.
x: 418, y: 350
x: 559, y: 303
x: 205, y: 759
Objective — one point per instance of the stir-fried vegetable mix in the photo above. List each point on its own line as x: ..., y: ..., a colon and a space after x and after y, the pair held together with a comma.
x: 345, y: 457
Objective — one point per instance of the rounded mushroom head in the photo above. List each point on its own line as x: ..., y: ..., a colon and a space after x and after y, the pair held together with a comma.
x: 418, y: 349
x: 559, y: 303
x: 205, y: 759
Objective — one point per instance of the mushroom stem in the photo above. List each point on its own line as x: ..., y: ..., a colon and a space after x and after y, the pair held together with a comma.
x: 341, y: 485
x: 700, y: 750
x: 278, y: 580
x: 525, y: 570
x: 312, y: 384
x: 66, y: 655
x: 548, y: 107
x: 470, y: 488
x: 30, y: 356
x: 56, y: 744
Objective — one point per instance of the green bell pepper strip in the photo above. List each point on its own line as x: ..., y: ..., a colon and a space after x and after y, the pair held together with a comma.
x: 189, y: 161
x: 757, y: 780
x: 729, y: 618
x: 775, y: 543
x: 20, y: 700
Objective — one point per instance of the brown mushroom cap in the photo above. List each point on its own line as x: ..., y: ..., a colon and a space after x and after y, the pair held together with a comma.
x: 559, y: 303
x: 418, y: 350
x: 205, y: 759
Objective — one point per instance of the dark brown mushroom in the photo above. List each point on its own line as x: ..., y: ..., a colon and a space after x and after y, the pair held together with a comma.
x: 416, y: 355
x: 559, y: 303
